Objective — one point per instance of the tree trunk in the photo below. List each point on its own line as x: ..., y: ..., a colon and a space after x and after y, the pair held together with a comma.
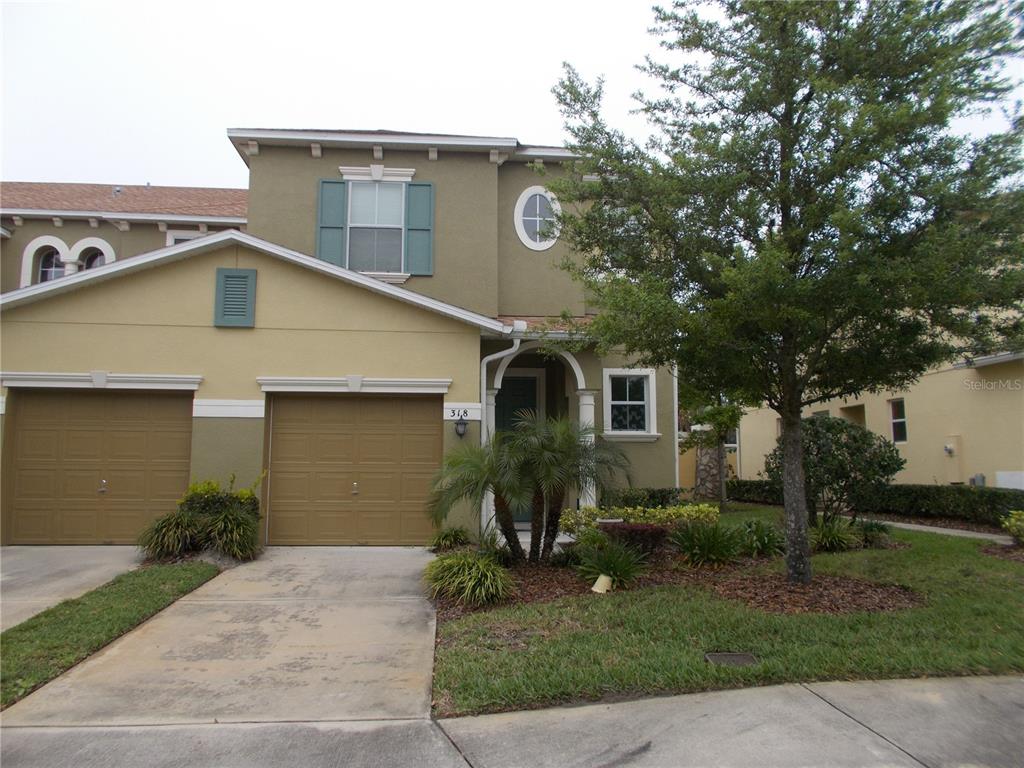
x: 507, y: 526
x: 705, y: 486
x: 721, y: 477
x: 798, y: 556
x: 536, y: 527
x: 551, y: 528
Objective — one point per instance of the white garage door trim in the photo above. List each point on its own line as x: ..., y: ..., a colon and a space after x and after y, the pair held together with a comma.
x: 353, y: 383
x: 100, y: 380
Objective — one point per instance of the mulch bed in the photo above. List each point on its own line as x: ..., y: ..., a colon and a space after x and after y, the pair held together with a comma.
x: 825, y: 594
x: 1006, y: 552
x: 934, y: 522
x: 764, y: 591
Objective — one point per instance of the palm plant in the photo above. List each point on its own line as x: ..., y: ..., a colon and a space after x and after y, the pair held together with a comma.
x: 470, y: 473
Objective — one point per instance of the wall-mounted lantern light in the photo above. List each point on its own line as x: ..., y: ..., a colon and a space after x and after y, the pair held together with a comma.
x: 460, y: 427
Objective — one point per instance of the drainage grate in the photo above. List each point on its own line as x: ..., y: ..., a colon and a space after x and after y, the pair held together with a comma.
x: 731, y: 659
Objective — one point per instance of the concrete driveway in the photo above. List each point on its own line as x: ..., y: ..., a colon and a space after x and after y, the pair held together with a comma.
x: 34, y: 578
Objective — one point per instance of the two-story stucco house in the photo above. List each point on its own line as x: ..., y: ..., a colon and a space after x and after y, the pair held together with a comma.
x: 387, y: 300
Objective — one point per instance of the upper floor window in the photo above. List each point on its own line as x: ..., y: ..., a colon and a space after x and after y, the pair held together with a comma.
x: 629, y: 404
x: 898, y: 411
x: 376, y: 222
x: 536, y: 219
x: 50, y: 265
x: 93, y: 257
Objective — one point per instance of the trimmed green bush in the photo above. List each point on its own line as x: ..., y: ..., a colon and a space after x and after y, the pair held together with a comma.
x: 620, y: 563
x: 754, y: 491
x: 449, y: 538
x: 643, y: 537
x: 1013, y: 524
x: 642, y: 497
x: 834, y: 534
x: 873, y: 533
x: 958, y: 502
x: 592, y: 538
x: 469, y: 578
x: 566, y: 556
x: 759, y: 538
x: 703, y: 544
x: 573, y: 521
x: 174, y: 535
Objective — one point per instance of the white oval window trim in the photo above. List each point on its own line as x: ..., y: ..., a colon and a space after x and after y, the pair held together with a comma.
x: 521, y: 207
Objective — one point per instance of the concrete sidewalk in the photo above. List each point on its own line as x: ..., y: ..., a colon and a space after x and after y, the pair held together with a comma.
x: 937, y: 723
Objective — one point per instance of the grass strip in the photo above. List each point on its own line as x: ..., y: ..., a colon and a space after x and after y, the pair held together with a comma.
x: 48, y: 644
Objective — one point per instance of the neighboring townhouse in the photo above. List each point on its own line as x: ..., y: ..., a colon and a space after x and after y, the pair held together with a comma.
x: 52, y: 230
x: 392, y: 297
x: 959, y: 424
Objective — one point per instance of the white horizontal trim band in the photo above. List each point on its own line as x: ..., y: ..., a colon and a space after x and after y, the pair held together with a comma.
x: 99, y: 380
x: 355, y: 384
x: 228, y: 409
x: 467, y: 411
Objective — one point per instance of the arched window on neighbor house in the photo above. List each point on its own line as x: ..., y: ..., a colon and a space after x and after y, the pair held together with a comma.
x: 93, y: 257
x: 50, y: 266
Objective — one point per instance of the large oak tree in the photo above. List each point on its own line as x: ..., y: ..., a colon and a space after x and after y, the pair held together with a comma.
x: 803, y: 224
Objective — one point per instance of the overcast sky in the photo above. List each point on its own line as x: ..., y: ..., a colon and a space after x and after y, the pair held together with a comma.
x: 143, y: 92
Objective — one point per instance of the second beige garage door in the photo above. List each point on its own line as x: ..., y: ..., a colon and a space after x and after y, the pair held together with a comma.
x: 351, y: 469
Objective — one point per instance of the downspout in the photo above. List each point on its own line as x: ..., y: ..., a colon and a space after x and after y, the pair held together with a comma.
x: 518, y: 326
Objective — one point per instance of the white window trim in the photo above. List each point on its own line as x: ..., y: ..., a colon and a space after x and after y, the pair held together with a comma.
x: 375, y: 173
x: 183, y: 235
x: 518, y: 220
x: 99, y: 380
x: 394, y: 278
x: 647, y: 435
x: 354, y: 384
x: 893, y: 420
x: 109, y: 257
x: 349, y: 226
x: 28, y: 256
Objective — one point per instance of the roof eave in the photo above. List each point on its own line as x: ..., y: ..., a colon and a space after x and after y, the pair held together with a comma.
x: 46, y: 213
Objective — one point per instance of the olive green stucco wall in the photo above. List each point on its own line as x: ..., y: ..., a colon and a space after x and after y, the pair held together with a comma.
x: 140, y: 238
x: 283, y: 185
x: 222, y: 447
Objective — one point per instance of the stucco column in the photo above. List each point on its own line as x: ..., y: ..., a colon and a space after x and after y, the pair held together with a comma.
x: 588, y: 494
x: 70, y: 265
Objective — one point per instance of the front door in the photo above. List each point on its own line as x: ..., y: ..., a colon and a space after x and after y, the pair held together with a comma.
x: 516, y: 393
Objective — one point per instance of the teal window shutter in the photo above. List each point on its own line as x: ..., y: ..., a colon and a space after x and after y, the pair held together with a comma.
x: 332, y: 217
x: 235, y: 305
x: 419, y: 229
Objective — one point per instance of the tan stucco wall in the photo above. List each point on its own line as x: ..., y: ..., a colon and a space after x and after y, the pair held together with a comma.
x: 161, y: 321
x: 283, y: 187
x: 140, y: 238
x: 530, y: 282
x: 222, y: 447
x: 980, y: 411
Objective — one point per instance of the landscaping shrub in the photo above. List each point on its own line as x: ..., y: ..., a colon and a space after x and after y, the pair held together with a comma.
x: 840, y: 460
x: 759, y: 538
x: 469, y: 578
x: 834, y: 534
x: 1013, y: 524
x: 958, y: 502
x: 174, y: 535
x: 706, y: 544
x: 233, y: 531
x: 574, y: 521
x: 754, y: 491
x: 592, y: 538
x: 493, y: 546
x: 226, y: 521
x: 642, y: 497
x: 643, y: 537
x: 566, y: 556
x: 873, y: 533
x: 620, y: 563
x: 449, y: 539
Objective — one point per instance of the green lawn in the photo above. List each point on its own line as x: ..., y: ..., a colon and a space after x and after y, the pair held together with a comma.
x: 652, y: 641
x: 41, y: 648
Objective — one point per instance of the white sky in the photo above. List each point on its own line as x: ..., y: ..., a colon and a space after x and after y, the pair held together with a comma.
x: 143, y: 92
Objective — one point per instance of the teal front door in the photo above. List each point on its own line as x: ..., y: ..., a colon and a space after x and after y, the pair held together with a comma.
x: 516, y: 393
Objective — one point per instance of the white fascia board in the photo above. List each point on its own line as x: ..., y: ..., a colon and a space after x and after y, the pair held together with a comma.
x: 996, y: 359
x: 544, y: 153
x: 42, y: 213
x: 330, y: 138
x: 233, y: 236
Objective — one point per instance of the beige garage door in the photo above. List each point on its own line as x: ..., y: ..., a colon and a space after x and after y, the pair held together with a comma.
x: 351, y: 469
x: 95, y: 467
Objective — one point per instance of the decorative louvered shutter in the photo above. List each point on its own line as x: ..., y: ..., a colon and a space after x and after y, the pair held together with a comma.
x: 235, y: 305
x: 419, y: 229
x: 332, y: 217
